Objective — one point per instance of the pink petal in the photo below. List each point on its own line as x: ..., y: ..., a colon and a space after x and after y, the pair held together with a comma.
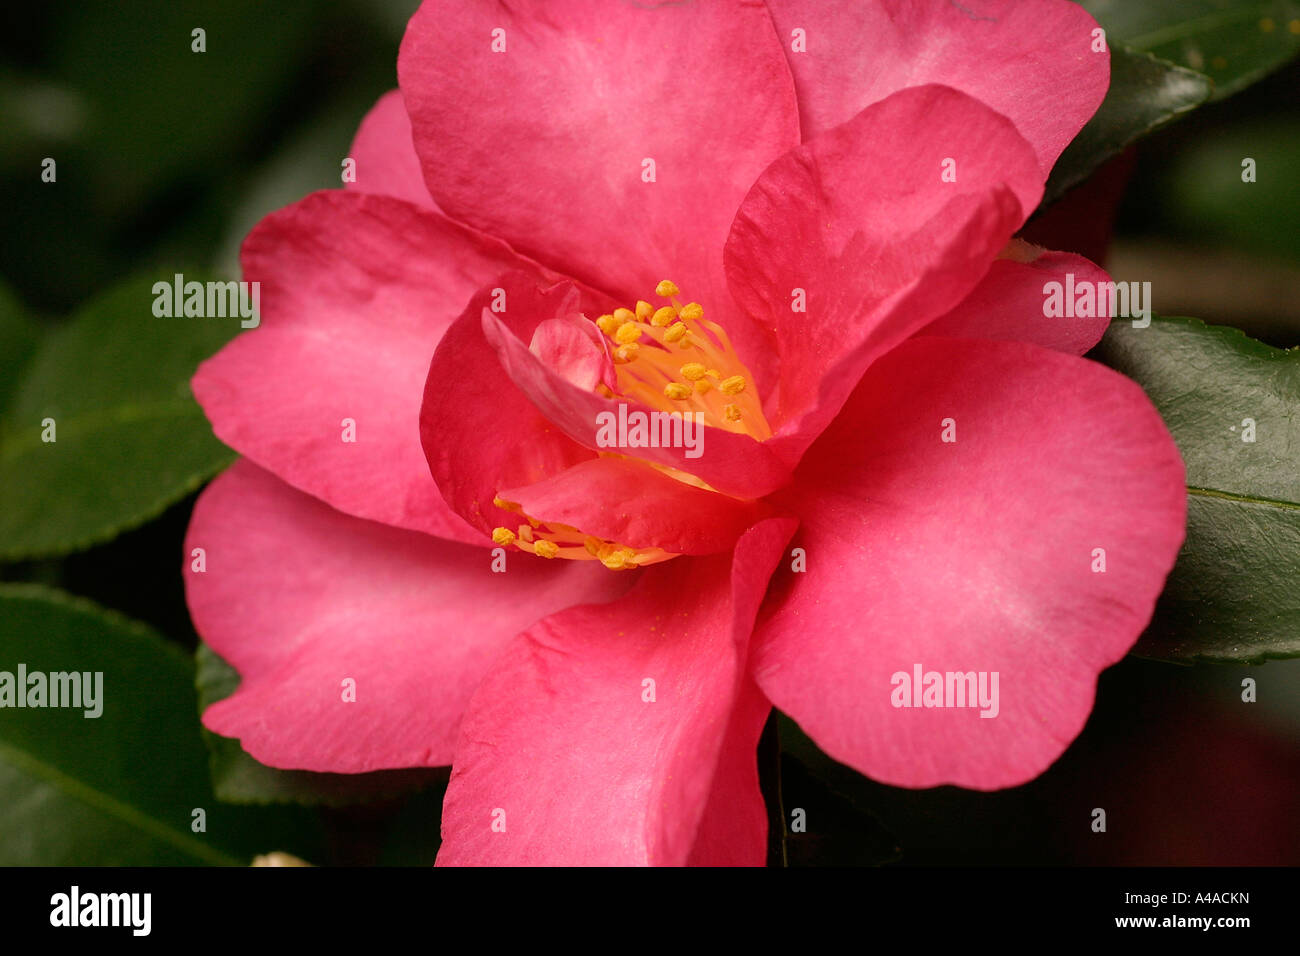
x: 971, y: 556
x: 386, y: 163
x: 574, y: 348
x: 619, y: 499
x: 480, y: 432
x: 860, y: 228
x: 544, y: 144
x: 1008, y: 303
x: 356, y: 291
x: 733, y: 830
x: 560, y: 740
x: 1031, y: 60
x: 299, y: 597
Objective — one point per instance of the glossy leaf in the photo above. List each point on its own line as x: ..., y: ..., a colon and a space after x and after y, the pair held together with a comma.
x: 1145, y: 93
x: 129, y: 439
x: 1233, y: 406
x: 122, y: 788
x: 1234, y: 42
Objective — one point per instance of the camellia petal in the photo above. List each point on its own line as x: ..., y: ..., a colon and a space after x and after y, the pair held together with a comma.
x: 384, y: 156
x: 531, y: 117
x: 1042, y: 63
x: 356, y: 291
x: 609, y: 141
x: 1011, y: 302
x: 598, y: 737
x: 358, y: 644
x: 994, y: 513
x: 620, y: 499
x: 479, y: 431
x: 854, y: 241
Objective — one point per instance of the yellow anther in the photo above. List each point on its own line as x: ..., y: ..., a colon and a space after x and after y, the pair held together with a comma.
x: 626, y: 353
x: 627, y: 333
x: 677, y: 391
x: 663, y: 316
x: 546, y: 549
x: 693, y: 371
x: 607, y: 324
x: 733, y: 386
x: 667, y: 288
x: 499, y: 502
x: 731, y: 413
x: 686, y: 343
x: 592, y: 545
x: 625, y: 315
x: 503, y: 536
x: 674, y: 332
x: 618, y: 558
x: 714, y: 373
x: 692, y: 310
x: 644, y: 309
x: 703, y: 385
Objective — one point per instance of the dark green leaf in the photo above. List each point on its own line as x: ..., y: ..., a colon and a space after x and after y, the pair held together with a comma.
x: 1232, y: 595
x: 130, y: 439
x: 238, y: 778
x: 1234, y: 42
x: 19, y: 337
x: 119, y: 789
x: 1145, y: 93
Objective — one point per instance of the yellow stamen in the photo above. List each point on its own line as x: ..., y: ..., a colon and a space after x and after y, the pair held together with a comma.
x: 607, y: 324
x: 502, y: 536
x: 732, y: 386
x: 667, y: 288
x: 677, y: 391
x: 663, y: 316
x: 692, y: 310
x: 626, y: 353
x: 625, y: 315
x: 546, y: 549
x: 703, y: 385
x: 627, y: 333
x: 693, y: 371
x: 644, y: 309
x: 731, y: 413
x: 675, y: 332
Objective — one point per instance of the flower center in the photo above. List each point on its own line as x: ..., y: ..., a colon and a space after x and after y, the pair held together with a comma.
x: 674, y: 359
x: 670, y: 359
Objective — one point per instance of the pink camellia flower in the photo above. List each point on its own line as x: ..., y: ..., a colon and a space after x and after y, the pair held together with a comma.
x: 913, y: 518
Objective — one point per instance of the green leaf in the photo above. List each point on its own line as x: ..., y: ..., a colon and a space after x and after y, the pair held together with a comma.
x: 119, y: 789
x: 19, y: 337
x: 1145, y: 93
x: 1234, y: 42
x: 129, y: 438
x: 238, y: 778
x: 1232, y: 596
